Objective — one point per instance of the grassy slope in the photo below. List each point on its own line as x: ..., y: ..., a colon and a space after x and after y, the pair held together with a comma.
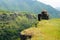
x: 46, y: 30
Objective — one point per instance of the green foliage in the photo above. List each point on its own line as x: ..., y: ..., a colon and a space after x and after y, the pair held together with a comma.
x: 11, y: 24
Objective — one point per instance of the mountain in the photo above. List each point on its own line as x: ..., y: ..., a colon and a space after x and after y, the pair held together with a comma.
x: 58, y: 8
x: 28, y: 5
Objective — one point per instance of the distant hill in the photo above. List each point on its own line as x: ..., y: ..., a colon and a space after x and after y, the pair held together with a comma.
x: 58, y: 8
x: 28, y: 5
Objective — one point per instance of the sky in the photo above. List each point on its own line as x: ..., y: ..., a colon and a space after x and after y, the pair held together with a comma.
x: 53, y: 3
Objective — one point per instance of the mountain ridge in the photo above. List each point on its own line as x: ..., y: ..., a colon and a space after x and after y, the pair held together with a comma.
x: 28, y: 5
x: 58, y: 8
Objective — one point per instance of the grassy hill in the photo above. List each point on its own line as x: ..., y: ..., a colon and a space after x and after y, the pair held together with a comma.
x: 46, y: 30
x: 11, y: 24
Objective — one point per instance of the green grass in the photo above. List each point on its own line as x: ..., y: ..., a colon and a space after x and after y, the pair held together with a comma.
x: 46, y: 30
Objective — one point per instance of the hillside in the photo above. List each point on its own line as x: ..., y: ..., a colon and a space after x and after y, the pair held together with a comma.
x: 11, y: 24
x: 58, y: 8
x: 46, y: 30
x: 28, y: 5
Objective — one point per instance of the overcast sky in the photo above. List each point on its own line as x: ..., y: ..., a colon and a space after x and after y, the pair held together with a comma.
x: 54, y: 3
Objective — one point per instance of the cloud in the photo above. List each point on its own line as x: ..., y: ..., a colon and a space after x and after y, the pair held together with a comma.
x: 54, y: 3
